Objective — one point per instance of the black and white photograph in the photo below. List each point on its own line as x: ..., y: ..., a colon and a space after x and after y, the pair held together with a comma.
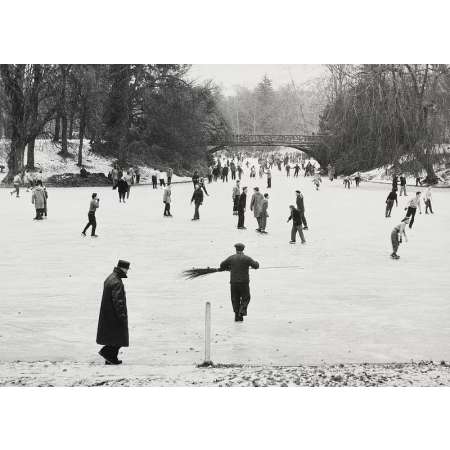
x: 197, y: 224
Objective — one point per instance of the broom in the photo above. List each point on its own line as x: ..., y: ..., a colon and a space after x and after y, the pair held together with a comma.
x: 200, y: 272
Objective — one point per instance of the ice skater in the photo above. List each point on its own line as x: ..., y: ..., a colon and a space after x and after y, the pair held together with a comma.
x: 238, y: 265
x: 256, y: 206
x: 112, y: 330
x: 396, y: 236
x: 167, y: 199
x: 242, y: 204
x: 197, y: 198
x: 264, y: 215
x: 403, y: 185
x: 17, y: 180
x: 122, y: 189
x: 347, y: 182
x: 300, y: 201
x: 38, y: 199
x: 92, y: 222
x: 269, y: 178
x: 154, y: 179
x: 296, y: 225
x: 317, y: 180
x: 235, y: 197
x: 412, y: 207
x: 357, y: 179
x: 391, y: 198
x: 427, y: 200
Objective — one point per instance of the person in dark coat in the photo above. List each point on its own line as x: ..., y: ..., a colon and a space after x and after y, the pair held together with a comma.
x: 122, y: 188
x: 296, y: 225
x: 195, y: 178
x: 197, y: 198
x: 301, y: 208
x: 238, y: 266
x: 242, y: 203
x: 112, y: 331
x: 391, y: 198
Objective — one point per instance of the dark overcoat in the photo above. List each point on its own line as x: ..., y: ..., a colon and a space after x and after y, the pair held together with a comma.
x: 113, y: 319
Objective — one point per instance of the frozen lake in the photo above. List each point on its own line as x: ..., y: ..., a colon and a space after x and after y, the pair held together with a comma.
x: 349, y: 303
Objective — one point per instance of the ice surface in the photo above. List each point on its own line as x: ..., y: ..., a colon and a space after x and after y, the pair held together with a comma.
x: 350, y: 303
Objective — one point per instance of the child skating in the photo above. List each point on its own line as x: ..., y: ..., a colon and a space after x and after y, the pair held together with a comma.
x: 317, y: 180
x: 396, y: 237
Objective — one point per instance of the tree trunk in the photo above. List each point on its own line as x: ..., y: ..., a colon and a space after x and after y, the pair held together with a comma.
x: 57, y: 128
x: 64, y: 151
x: 81, y: 136
x: 63, y: 110
x: 71, y: 121
x: 30, y: 154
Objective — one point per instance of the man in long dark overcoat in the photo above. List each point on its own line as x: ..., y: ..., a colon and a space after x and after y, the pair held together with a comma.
x: 112, y: 331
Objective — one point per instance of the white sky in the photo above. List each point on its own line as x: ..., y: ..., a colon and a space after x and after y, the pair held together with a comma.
x: 228, y: 76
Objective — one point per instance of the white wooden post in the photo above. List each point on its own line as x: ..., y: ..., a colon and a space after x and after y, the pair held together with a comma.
x: 208, y: 334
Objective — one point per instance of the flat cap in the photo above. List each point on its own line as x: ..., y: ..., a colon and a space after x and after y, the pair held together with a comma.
x: 239, y: 246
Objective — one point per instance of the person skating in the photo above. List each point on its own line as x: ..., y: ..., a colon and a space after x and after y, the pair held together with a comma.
x: 154, y: 179
x: 269, y: 178
x: 137, y: 172
x: 296, y: 170
x: 16, y: 184
x: 195, y: 178
x: 412, y: 207
x: 240, y: 171
x: 300, y: 202
x: 296, y: 225
x: 169, y: 175
x: 225, y: 174
x: 391, y: 198
x: 403, y: 185
x: 357, y: 179
x: 242, y: 204
x: 115, y: 176
x: 256, y: 206
x: 92, y: 222
x: 233, y: 170
x: 162, y: 179
x: 197, y: 198
x: 317, y: 180
x: 235, y: 197
x: 238, y: 265
x: 288, y: 170
x: 112, y: 330
x: 201, y: 183
x: 396, y: 236
x: 264, y: 215
x: 122, y: 188
x: 347, y: 182
x: 38, y: 199
x: 395, y: 183
x: 427, y: 200
x: 128, y: 177
x: 167, y: 199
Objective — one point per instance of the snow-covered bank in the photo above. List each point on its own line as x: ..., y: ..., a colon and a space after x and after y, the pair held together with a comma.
x: 46, y: 373
x: 381, y: 175
x: 47, y: 158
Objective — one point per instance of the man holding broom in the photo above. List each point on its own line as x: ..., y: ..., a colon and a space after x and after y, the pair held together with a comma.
x: 238, y: 266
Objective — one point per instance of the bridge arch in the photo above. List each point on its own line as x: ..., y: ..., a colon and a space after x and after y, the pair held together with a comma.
x: 313, y: 145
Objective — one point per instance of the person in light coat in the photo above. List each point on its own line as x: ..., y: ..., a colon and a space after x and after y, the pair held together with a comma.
x: 256, y: 206
x: 38, y: 200
x: 167, y: 199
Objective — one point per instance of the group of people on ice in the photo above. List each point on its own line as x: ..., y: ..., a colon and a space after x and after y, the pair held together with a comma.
x: 399, y: 231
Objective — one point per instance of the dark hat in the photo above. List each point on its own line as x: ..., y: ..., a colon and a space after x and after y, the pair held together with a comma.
x: 239, y: 246
x: 123, y: 264
x: 298, y: 192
